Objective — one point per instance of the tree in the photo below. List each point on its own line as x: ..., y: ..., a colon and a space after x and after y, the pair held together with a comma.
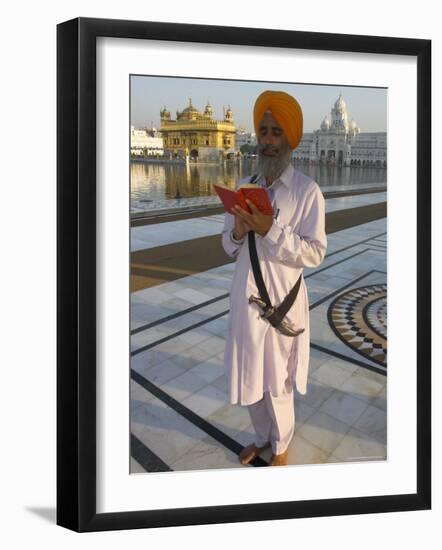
x: 248, y: 149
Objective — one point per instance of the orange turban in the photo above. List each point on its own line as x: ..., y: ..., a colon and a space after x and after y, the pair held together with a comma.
x: 285, y: 110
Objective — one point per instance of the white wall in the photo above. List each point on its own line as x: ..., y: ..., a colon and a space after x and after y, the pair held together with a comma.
x: 28, y: 100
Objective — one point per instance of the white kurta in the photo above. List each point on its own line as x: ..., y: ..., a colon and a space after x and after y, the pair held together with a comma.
x: 257, y: 357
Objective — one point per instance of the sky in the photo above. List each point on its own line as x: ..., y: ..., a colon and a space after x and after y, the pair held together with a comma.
x: 149, y: 94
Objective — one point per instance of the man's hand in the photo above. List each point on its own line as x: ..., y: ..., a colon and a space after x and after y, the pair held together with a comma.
x: 240, y: 229
x: 256, y: 221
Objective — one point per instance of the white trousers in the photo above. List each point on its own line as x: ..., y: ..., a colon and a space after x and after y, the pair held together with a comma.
x: 273, y: 419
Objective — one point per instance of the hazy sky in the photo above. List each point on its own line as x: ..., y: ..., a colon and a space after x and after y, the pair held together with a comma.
x: 149, y: 94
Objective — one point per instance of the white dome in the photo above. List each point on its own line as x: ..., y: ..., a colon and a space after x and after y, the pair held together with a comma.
x: 354, y: 127
x: 340, y: 104
x: 325, y: 124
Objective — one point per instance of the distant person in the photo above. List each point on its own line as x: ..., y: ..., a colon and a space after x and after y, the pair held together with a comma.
x: 262, y: 362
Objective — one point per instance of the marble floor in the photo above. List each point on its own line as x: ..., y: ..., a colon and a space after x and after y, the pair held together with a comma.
x: 148, y: 236
x: 180, y: 416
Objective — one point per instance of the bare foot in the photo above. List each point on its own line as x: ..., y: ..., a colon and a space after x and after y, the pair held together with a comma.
x: 280, y: 460
x: 250, y: 452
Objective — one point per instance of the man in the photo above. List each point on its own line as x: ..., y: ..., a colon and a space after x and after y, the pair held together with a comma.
x: 262, y: 364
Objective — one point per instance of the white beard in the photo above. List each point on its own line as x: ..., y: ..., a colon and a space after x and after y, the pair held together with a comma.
x: 272, y: 167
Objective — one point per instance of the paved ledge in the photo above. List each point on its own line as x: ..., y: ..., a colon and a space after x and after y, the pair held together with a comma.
x: 205, y: 206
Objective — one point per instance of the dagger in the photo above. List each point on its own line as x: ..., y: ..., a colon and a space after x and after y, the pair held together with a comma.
x: 284, y: 327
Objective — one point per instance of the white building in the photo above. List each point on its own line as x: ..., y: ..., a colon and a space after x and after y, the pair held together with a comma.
x: 244, y: 138
x: 146, y: 141
x: 340, y: 142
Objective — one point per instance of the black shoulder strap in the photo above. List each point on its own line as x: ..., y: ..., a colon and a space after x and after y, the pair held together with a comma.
x: 255, y: 262
x: 257, y: 270
x: 291, y: 296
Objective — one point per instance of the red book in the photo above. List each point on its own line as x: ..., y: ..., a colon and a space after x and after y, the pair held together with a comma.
x: 256, y: 194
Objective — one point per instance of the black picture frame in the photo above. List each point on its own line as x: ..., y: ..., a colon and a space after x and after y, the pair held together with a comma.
x: 76, y: 273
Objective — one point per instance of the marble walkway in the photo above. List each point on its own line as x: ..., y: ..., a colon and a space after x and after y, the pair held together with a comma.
x: 180, y: 417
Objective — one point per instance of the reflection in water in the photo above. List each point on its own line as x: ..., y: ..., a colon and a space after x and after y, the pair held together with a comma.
x: 163, y: 180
